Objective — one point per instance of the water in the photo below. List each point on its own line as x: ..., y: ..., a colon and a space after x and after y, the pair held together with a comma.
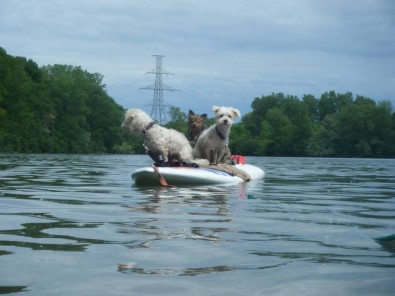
x: 76, y: 225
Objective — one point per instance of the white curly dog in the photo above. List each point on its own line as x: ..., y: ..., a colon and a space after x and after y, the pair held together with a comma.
x: 161, y: 143
x: 213, y: 142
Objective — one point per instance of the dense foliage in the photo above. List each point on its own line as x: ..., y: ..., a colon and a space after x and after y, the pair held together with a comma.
x: 64, y: 109
x: 56, y: 108
x: 336, y: 125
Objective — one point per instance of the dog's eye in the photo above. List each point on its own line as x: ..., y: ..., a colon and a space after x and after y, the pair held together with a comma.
x: 222, y: 115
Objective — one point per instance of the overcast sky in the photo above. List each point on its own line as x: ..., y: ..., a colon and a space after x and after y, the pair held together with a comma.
x: 224, y: 52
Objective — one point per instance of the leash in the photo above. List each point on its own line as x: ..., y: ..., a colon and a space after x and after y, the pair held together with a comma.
x: 161, y: 178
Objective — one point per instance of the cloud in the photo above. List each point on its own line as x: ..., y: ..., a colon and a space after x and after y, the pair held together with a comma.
x: 221, y: 52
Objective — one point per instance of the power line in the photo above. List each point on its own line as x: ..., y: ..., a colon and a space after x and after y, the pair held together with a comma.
x: 158, y: 111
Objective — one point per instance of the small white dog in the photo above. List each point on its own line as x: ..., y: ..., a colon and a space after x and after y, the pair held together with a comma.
x: 213, y: 142
x: 161, y: 143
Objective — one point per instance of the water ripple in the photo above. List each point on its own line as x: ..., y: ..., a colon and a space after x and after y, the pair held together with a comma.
x: 76, y: 223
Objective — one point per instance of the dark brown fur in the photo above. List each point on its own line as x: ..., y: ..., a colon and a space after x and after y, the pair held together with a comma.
x: 196, y: 125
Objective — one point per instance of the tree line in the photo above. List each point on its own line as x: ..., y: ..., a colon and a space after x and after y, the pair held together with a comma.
x: 335, y: 125
x: 55, y: 109
x: 65, y: 109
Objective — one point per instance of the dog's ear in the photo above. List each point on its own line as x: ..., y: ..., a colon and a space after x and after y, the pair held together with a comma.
x: 216, y: 109
x: 191, y: 112
x: 236, y: 112
x: 204, y: 116
x: 129, y: 114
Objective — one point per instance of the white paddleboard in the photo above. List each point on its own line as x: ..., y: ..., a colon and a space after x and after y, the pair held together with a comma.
x: 193, y: 176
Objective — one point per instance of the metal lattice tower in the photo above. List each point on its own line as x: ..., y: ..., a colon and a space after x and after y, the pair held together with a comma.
x: 158, y: 111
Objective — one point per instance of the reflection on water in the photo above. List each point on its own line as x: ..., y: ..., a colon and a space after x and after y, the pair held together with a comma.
x: 387, y: 242
x: 12, y: 289
x: 73, y: 224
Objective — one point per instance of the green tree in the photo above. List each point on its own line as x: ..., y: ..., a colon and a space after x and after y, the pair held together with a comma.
x: 131, y: 144
x: 279, y: 132
x: 55, y: 109
x: 364, y: 130
x: 260, y: 107
x: 67, y: 85
x: 297, y: 113
x: 311, y: 104
x: 241, y: 142
x: 331, y: 103
x: 22, y: 101
x: 178, y: 120
x: 322, y: 141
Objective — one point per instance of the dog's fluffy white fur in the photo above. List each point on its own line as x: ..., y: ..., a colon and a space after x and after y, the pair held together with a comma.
x: 213, y: 142
x: 164, y: 143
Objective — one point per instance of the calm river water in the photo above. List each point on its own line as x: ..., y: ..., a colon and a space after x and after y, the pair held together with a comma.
x: 77, y: 225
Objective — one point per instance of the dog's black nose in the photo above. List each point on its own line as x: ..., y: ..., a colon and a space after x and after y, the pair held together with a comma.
x: 225, y: 121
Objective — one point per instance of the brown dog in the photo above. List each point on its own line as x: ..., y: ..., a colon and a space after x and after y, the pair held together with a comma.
x: 196, y: 125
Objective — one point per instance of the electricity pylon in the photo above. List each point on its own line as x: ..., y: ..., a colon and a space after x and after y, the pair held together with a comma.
x: 158, y: 111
